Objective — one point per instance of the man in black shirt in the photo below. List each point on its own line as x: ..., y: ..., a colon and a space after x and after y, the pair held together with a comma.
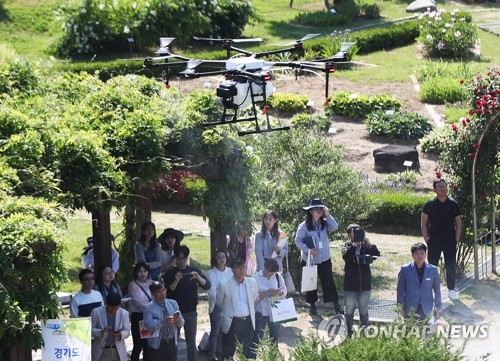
x: 441, y: 225
x: 182, y: 284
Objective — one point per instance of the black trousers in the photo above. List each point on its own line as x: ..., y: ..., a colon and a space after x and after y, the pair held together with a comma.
x: 240, y: 331
x: 166, y: 352
x: 325, y: 275
x: 139, y: 344
x: 449, y: 249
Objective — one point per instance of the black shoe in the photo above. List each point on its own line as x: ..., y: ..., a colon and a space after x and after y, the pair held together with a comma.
x: 313, y: 311
x: 338, y: 309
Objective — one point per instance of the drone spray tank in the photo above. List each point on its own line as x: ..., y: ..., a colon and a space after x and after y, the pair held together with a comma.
x: 240, y: 91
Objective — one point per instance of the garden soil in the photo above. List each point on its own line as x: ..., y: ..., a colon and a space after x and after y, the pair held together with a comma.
x: 358, y: 144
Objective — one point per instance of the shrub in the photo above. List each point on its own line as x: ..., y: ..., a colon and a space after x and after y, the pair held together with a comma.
x: 369, y: 10
x: 98, y: 26
x: 321, y: 18
x: 174, y: 186
x: 288, y: 102
x: 18, y: 77
x: 397, y: 125
x: 308, y: 121
x: 396, y: 209
x: 386, y: 37
x: 440, y: 68
x: 359, y: 106
x: 348, y: 8
x: 395, y: 182
x: 441, y: 90
x: 447, y: 34
x: 436, y: 141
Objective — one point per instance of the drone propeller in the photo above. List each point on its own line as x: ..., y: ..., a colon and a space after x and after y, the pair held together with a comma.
x: 248, y: 40
x: 304, y: 38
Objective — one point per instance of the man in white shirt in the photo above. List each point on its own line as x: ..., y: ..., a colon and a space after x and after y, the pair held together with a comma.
x: 236, y: 298
x: 87, y: 299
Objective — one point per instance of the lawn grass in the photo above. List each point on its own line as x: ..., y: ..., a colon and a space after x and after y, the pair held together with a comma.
x: 29, y: 26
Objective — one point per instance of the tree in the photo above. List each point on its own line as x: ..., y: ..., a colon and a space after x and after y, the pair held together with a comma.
x: 31, y: 270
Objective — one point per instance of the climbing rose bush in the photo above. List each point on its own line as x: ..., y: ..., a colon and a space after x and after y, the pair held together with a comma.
x: 447, y: 34
x: 474, y: 138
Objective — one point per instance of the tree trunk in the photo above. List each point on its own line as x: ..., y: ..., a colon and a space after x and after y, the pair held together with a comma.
x: 143, y: 209
x: 17, y: 352
x: 218, y: 242
x: 101, y: 231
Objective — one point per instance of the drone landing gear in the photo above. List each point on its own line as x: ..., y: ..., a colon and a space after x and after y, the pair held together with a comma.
x: 227, y: 96
x: 258, y: 130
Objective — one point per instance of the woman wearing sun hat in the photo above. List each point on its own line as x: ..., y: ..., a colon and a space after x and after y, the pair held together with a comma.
x: 169, y: 240
x: 312, y: 236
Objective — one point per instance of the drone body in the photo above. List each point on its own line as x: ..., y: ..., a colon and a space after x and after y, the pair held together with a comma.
x: 246, y: 77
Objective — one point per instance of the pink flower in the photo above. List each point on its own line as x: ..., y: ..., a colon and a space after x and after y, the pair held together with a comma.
x: 457, y: 34
x: 441, y: 45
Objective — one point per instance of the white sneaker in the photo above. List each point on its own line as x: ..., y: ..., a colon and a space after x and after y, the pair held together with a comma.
x: 452, y: 294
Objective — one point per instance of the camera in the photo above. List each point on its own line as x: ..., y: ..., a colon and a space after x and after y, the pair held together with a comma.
x: 359, y: 235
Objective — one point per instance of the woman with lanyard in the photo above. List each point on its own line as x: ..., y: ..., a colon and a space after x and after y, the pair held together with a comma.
x: 270, y: 241
x: 147, y: 249
x: 312, y: 236
x: 140, y: 294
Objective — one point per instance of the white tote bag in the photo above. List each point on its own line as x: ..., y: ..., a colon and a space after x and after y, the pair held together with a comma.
x: 282, y: 310
x: 290, y: 287
x: 309, y: 275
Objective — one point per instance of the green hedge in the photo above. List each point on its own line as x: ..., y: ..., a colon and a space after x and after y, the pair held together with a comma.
x: 376, y: 39
x: 387, y: 37
x: 395, y: 209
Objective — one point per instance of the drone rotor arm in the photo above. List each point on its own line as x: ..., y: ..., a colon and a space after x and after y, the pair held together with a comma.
x: 340, y: 57
x: 148, y: 63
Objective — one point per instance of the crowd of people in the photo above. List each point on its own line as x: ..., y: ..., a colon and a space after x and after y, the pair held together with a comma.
x: 164, y: 290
